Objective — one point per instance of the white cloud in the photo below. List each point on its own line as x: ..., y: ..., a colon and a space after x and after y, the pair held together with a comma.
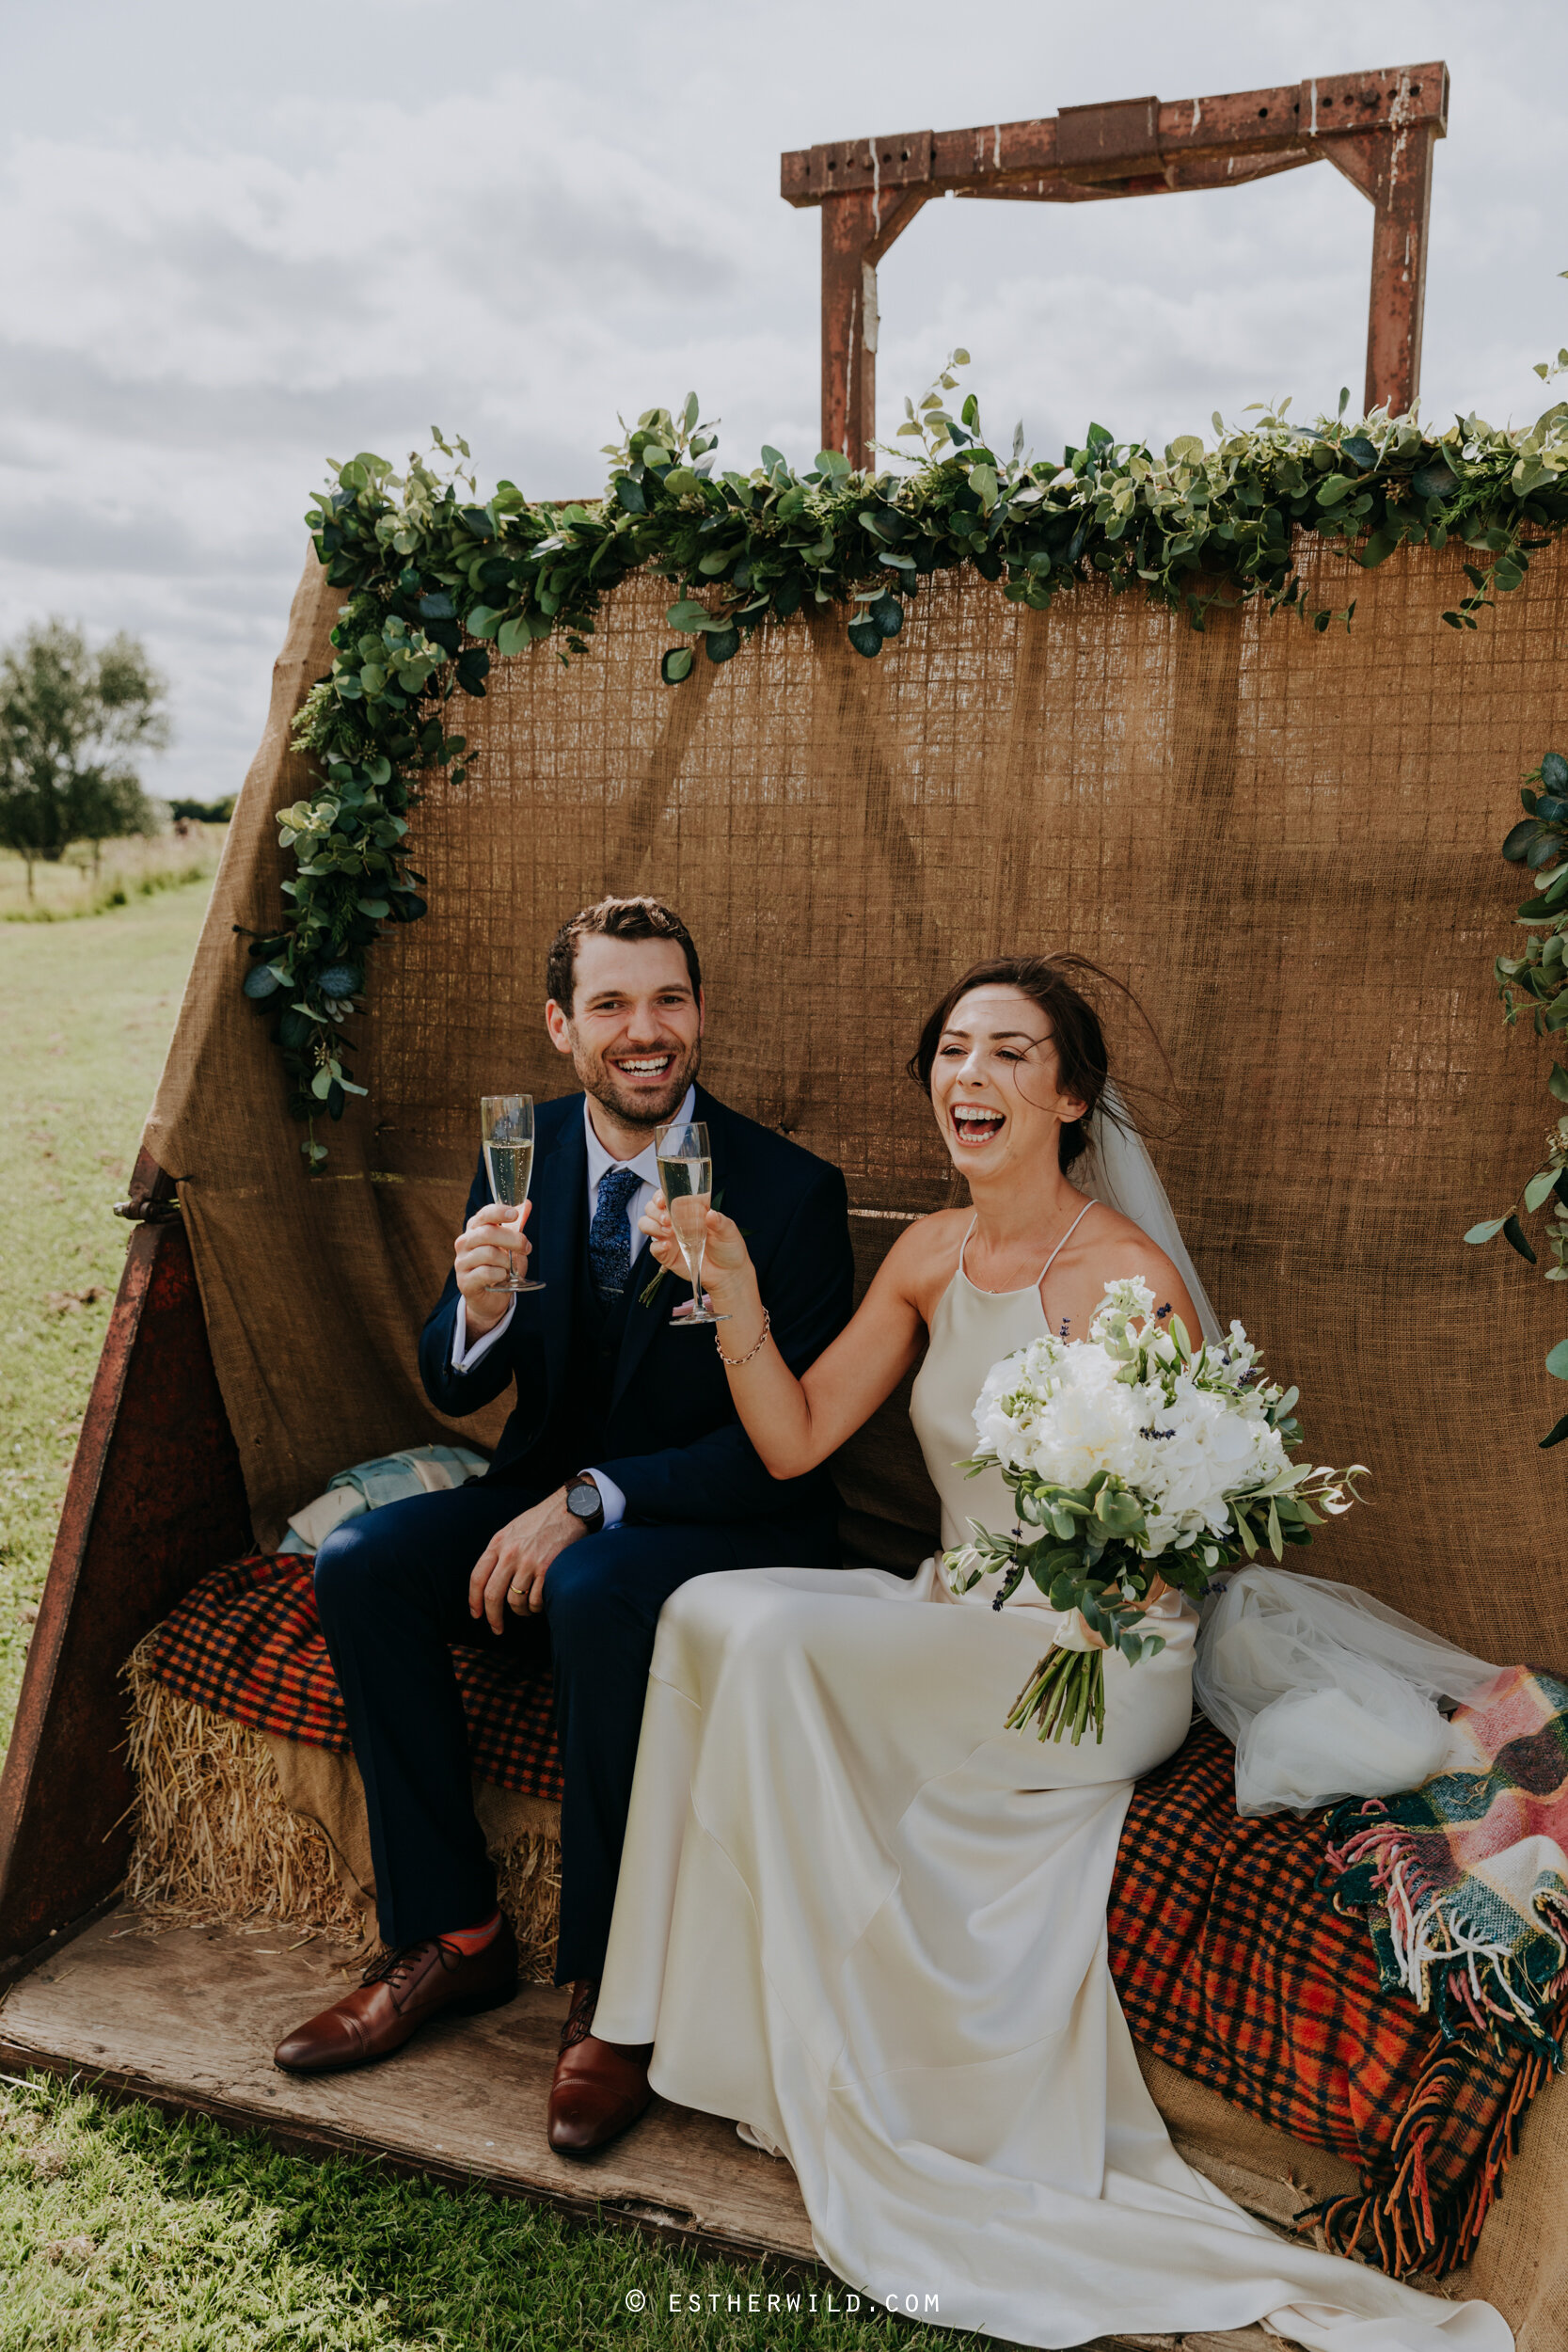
x: 228, y: 247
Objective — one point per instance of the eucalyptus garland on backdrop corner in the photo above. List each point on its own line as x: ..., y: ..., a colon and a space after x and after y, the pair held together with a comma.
x: 434, y: 578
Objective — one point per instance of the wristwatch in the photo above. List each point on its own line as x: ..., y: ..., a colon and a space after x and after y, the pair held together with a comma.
x: 585, y: 1503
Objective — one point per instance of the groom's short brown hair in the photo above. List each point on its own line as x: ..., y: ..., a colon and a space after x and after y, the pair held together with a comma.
x: 614, y: 918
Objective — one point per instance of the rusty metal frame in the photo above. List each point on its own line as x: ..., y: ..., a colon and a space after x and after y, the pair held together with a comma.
x: 1377, y: 128
x: 155, y: 1497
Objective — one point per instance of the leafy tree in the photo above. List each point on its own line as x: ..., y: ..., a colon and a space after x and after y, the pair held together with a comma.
x: 73, y: 720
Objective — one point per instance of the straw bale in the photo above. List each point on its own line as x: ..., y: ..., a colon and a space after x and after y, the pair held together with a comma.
x: 214, y: 1841
x: 234, y: 1826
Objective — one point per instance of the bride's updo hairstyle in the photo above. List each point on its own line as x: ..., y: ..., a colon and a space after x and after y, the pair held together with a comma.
x: 1083, y: 1066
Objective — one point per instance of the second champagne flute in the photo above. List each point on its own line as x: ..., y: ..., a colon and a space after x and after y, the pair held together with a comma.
x: 685, y: 1178
x: 506, y: 1131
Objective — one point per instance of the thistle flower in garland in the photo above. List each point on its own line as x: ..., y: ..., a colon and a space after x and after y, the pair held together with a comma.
x: 1134, y: 1459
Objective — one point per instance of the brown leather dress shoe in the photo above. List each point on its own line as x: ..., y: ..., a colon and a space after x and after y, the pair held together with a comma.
x: 396, y: 1998
x: 600, y: 2088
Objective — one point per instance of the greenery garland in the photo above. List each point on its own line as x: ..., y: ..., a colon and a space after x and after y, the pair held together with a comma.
x: 1537, y: 982
x: 433, y: 577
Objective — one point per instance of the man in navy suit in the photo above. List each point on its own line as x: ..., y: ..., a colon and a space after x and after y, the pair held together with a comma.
x: 622, y: 1472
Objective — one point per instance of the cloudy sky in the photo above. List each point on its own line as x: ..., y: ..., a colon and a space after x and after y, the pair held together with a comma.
x: 235, y: 241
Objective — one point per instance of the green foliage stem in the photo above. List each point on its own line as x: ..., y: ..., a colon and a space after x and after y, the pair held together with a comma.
x: 1536, y: 982
x: 434, y: 579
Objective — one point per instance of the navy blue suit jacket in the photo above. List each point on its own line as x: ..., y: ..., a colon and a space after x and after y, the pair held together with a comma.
x: 672, y: 1439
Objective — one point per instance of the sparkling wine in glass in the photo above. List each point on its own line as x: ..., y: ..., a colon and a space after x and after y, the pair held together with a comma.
x: 506, y: 1130
x: 685, y: 1178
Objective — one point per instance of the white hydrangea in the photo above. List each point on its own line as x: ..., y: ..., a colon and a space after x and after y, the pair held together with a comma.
x: 1183, y: 1438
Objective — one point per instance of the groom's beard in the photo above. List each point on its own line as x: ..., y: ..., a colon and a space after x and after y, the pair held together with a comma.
x: 640, y: 1106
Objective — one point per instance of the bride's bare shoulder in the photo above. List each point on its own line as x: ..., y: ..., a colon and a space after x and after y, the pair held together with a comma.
x: 927, y: 1251
x: 1112, y: 1248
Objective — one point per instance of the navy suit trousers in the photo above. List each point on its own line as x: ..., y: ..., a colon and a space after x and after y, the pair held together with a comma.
x: 392, y: 1590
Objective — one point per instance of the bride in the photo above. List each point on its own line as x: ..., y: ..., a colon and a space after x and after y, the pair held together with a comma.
x: 857, y: 1912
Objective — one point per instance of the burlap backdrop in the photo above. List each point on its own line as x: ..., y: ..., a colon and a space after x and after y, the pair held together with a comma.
x: 1287, y: 843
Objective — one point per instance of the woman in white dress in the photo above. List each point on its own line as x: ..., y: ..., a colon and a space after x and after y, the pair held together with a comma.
x: 858, y: 1915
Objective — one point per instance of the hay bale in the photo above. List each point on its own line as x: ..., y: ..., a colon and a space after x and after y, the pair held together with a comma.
x: 214, y: 1842
x: 217, y: 1844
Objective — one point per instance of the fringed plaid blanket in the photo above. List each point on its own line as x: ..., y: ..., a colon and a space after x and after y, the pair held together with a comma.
x: 1234, y: 1966
x: 1232, y: 1963
x: 1465, y: 1880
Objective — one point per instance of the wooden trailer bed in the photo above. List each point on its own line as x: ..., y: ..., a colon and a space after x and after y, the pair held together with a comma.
x: 1288, y: 844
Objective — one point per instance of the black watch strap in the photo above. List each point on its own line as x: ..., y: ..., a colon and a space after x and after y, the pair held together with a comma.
x: 585, y: 1503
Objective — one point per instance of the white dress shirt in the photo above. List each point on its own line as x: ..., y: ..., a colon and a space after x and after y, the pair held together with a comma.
x: 465, y: 1358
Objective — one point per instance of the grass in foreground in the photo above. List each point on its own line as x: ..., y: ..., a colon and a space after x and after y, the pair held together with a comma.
x: 120, y: 2229
x: 117, y: 2227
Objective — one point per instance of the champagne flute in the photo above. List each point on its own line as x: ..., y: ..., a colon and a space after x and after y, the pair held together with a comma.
x: 506, y: 1131
x: 685, y: 1178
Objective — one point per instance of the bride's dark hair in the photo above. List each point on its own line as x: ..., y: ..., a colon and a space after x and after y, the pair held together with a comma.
x: 1082, y: 1065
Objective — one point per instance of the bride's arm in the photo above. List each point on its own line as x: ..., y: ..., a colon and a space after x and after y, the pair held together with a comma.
x: 795, y: 1425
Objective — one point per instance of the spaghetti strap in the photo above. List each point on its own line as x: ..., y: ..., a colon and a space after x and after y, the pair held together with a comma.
x: 1061, y: 1244
x: 1045, y: 1269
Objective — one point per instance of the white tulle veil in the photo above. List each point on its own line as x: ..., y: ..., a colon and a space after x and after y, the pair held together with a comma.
x: 1117, y: 1169
x: 1326, y: 1692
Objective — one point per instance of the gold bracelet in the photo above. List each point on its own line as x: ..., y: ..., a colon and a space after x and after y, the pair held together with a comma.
x: 734, y: 1360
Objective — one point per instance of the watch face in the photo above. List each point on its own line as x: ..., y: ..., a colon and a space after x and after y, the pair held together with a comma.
x: 583, y: 1499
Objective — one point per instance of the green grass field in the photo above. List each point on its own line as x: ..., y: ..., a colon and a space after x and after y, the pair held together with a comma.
x: 117, y: 2228
x: 88, y: 1009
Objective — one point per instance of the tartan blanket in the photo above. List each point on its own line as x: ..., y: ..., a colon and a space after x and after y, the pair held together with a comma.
x: 1230, y: 1962
x: 246, y: 1642
x: 1463, y: 1882
x: 1235, y: 1967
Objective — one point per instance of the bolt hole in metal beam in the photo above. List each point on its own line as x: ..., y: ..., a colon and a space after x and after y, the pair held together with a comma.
x: 1377, y: 129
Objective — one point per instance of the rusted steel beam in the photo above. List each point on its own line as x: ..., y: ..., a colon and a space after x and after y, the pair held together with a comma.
x: 155, y: 1498
x: 1393, y: 169
x: 1378, y: 127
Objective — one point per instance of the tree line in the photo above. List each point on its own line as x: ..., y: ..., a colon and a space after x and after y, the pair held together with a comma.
x: 76, y: 721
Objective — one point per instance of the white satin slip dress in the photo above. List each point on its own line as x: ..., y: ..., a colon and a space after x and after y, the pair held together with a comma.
x: 857, y: 1914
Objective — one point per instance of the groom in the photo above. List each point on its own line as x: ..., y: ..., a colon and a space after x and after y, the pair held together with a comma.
x: 622, y: 1472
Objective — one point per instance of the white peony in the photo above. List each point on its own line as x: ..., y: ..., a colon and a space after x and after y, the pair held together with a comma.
x: 1185, y: 1437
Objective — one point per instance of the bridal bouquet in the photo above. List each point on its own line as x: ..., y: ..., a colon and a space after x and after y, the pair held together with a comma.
x: 1133, y: 1459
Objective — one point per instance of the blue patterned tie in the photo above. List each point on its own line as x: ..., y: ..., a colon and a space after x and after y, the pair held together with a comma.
x: 609, y: 1235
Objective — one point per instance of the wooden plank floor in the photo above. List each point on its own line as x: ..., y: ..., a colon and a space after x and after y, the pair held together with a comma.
x: 189, y: 2018
x: 192, y: 2017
